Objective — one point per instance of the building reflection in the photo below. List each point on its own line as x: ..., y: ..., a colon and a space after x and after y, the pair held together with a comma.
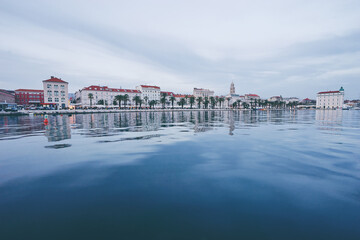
x: 61, y: 127
x: 58, y: 128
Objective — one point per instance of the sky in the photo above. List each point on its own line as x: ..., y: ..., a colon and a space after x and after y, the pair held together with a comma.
x: 278, y: 47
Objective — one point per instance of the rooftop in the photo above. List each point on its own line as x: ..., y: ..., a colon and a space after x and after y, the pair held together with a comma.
x: 55, y: 79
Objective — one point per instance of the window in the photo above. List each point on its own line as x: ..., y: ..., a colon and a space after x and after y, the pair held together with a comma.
x: 56, y: 93
x: 63, y: 93
x: 62, y: 86
x: 49, y: 92
x: 56, y: 86
x: 62, y: 99
x: 49, y: 99
x: 56, y: 99
x: 49, y: 86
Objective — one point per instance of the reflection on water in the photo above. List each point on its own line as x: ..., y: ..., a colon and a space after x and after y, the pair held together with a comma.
x: 181, y: 175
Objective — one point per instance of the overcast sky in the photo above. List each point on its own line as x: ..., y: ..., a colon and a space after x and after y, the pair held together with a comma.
x: 277, y: 47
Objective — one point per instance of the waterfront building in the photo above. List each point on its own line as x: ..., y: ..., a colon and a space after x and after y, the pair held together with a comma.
x: 149, y: 93
x: 103, y: 95
x: 291, y: 100
x: 330, y: 99
x: 201, y: 92
x: 56, y: 92
x: 27, y: 97
x: 7, y: 96
x: 275, y: 99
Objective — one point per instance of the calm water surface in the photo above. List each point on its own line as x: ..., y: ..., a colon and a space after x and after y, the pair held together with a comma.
x: 181, y: 175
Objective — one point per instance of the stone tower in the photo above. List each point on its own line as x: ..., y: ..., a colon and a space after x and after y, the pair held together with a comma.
x: 232, y: 88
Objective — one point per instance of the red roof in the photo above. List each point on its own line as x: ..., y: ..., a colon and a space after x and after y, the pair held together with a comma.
x: 106, y: 89
x: 54, y: 79
x: 252, y: 95
x: 168, y: 93
x: 147, y: 86
x: 29, y: 90
x: 329, y: 92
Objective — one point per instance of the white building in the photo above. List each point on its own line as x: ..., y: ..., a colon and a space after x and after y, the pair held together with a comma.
x: 150, y: 92
x: 104, y: 93
x: 291, y: 100
x: 330, y: 99
x: 56, y: 92
x: 200, y: 92
x: 275, y: 99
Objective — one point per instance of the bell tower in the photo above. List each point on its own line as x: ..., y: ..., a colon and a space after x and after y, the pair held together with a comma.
x: 232, y: 88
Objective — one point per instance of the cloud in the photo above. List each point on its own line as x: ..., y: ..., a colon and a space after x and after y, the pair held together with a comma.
x: 269, y: 48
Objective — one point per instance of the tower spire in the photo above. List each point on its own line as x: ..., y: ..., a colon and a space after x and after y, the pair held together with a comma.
x: 232, y: 88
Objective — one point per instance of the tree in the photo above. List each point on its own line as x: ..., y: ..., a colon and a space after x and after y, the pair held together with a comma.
x: 245, y: 105
x: 114, y: 102
x: 228, y: 100
x: 137, y: 100
x: 91, y: 97
x: 172, y: 100
x: 125, y: 99
x: 152, y: 103
x: 182, y: 102
x: 119, y: 98
x: 221, y: 100
x: 212, y: 102
x: 192, y: 101
x: 100, y: 102
x: 199, y: 100
x: 163, y: 99
x: 206, y: 102
x: 234, y: 104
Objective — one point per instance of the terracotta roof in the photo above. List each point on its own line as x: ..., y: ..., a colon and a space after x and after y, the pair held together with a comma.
x: 55, y: 79
x: 252, y: 95
x: 147, y: 86
x: 328, y: 92
x: 28, y: 90
x: 168, y: 93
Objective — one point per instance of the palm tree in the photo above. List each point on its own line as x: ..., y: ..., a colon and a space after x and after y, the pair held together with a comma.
x: 114, y: 102
x: 192, y: 101
x: 212, y: 102
x: 137, y: 100
x: 206, y: 102
x: 100, y: 102
x: 91, y: 97
x: 199, y: 100
x: 125, y: 99
x: 182, y: 102
x: 228, y: 100
x: 172, y: 100
x: 221, y: 100
x: 238, y: 103
x: 119, y: 98
x: 152, y: 103
x: 245, y: 105
x: 234, y: 104
x: 163, y: 99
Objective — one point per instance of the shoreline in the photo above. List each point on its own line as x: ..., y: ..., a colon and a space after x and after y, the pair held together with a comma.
x: 80, y: 111
x: 59, y: 112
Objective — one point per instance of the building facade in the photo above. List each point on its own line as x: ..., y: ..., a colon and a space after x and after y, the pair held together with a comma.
x: 56, y: 92
x: 27, y: 97
x: 7, y: 96
x: 149, y: 93
x: 330, y: 99
x: 103, y: 95
x: 201, y: 92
